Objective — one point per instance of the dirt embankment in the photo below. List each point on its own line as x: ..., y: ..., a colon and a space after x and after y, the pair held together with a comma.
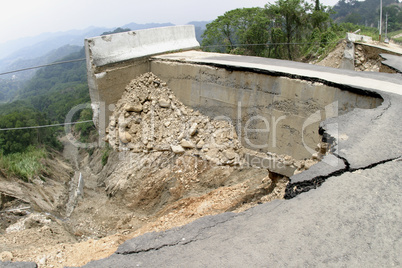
x: 366, y: 58
x: 169, y: 166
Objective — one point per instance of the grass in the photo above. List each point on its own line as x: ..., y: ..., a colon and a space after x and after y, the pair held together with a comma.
x: 105, y: 155
x: 24, y: 165
x: 394, y: 33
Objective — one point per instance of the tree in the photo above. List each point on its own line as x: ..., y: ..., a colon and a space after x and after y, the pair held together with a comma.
x: 292, y: 14
x: 241, y: 31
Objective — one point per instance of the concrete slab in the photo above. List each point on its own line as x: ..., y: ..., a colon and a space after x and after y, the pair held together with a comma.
x: 392, y: 61
x: 113, y: 48
x: 9, y: 264
x: 345, y: 79
x: 352, y: 221
x: 362, y: 130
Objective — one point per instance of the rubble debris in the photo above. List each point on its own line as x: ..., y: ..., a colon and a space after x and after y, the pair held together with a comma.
x: 149, y: 118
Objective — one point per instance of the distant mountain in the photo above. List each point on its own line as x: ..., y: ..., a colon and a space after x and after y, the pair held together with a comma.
x: 134, y: 26
x: 21, y: 63
x: 200, y: 27
x: 33, y: 47
x: 201, y: 24
x: 28, y: 52
x: 10, y: 84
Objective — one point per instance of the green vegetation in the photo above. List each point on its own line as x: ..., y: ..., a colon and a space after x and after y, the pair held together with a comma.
x: 85, y: 129
x: 367, y: 13
x: 16, y: 141
x: 24, y: 165
x: 398, y: 39
x: 105, y: 154
x: 8, y: 88
x: 44, y: 100
x: 287, y: 29
x: 117, y: 30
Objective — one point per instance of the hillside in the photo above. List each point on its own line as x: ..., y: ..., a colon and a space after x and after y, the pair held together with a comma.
x: 18, y: 63
x: 367, y: 13
x: 37, y: 46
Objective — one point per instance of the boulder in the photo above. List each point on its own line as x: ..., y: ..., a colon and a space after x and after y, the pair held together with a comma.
x: 164, y: 103
x: 187, y: 144
x: 177, y: 149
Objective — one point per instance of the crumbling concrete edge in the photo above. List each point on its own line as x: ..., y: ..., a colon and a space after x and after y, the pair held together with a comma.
x: 319, y: 173
x: 114, y: 49
x: 313, y: 178
x: 392, y: 61
x: 358, y: 90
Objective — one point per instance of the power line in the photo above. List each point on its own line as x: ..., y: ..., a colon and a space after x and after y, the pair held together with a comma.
x: 234, y: 45
x: 54, y: 125
x: 40, y: 66
x: 270, y: 44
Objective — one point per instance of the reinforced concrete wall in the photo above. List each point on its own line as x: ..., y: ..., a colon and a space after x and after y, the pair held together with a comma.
x: 114, y: 60
x: 276, y: 112
x: 271, y: 113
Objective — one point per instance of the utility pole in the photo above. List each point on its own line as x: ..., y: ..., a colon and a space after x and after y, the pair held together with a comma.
x: 386, y: 28
x: 386, y: 25
x: 379, y: 39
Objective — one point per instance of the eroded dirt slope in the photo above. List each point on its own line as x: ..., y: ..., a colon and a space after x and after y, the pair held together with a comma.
x: 187, y: 166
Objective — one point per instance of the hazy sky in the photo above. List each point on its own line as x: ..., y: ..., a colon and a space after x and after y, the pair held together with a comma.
x: 20, y: 18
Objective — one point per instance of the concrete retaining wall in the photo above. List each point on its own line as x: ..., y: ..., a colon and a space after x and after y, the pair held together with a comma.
x: 351, y: 37
x: 114, y: 60
x: 275, y: 114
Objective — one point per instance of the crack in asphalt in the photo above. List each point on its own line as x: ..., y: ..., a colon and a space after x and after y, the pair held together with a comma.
x: 155, y: 248
x: 181, y: 241
x: 294, y: 189
x: 382, y: 113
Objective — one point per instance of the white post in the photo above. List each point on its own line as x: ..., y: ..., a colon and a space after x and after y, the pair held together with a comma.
x: 379, y: 39
x: 386, y: 25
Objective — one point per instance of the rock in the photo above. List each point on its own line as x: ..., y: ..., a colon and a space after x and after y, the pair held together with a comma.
x: 193, y: 129
x: 183, y: 111
x: 6, y: 256
x: 125, y: 137
x: 229, y: 154
x: 200, y: 144
x: 211, y: 155
x: 309, y: 163
x: 42, y: 261
x: 162, y: 147
x: 164, y: 103
x: 167, y: 124
x: 134, y: 108
x: 187, y: 144
x: 177, y: 149
x: 181, y: 136
x: 287, y: 163
x: 288, y: 158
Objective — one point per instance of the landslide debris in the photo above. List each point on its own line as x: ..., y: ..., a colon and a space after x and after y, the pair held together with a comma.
x: 149, y: 118
x: 168, y: 165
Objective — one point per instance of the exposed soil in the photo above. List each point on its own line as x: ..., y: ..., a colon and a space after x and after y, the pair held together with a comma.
x: 147, y: 185
x: 367, y: 58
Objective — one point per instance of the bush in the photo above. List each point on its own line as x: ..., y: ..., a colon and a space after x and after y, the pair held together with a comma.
x: 105, y: 155
x: 24, y: 165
